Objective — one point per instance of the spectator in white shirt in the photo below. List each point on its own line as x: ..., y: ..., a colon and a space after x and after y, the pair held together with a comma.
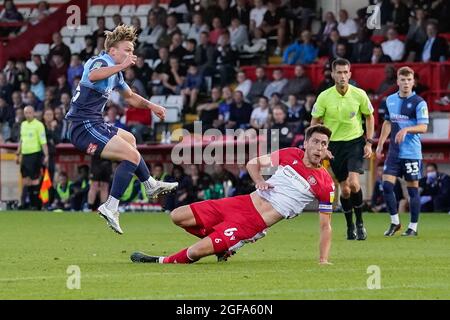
x: 238, y: 34
x: 260, y: 114
x: 197, y: 27
x: 257, y: 15
x: 150, y: 36
x: 393, y: 47
x: 243, y: 84
x: 259, y: 43
x: 347, y: 28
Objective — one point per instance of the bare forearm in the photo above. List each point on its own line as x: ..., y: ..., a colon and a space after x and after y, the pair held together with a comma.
x: 325, y: 243
x: 139, y: 102
x: 385, y: 131
x: 103, y: 73
x: 45, y: 149
x: 370, y: 126
x: 420, y: 128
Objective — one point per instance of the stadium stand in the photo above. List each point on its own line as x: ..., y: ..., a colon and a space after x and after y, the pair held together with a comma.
x: 153, y: 74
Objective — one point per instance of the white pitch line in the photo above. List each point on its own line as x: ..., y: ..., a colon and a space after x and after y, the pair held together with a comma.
x: 277, y: 292
x: 169, y: 273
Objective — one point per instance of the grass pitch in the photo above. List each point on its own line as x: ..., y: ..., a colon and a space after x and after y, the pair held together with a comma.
x: 36, y: 250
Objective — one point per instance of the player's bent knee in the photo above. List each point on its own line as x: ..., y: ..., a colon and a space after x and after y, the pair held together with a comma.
x: 179, y: 216
x: 354, y: 186
x: 345, y: 192
x: 134, y: 157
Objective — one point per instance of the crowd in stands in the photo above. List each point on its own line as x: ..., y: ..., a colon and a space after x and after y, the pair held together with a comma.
x: 202, y: 64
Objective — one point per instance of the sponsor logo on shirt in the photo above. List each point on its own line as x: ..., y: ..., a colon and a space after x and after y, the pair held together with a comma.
x: 396, y: 116
x: 289, y: 172
x: 332, y: 196
x: 97, y: 65
x: 312, y: 181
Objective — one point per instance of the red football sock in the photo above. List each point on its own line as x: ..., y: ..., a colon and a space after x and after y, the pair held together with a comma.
x: 180, y: 257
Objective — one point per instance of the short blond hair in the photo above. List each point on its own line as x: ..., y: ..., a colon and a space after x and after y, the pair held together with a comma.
x: 405, y: 71
x: 120, y: 33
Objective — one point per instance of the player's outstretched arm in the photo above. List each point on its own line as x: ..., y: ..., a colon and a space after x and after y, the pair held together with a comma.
x: 137, y: 101
x: 254, y: 170
x: 106, y: 72
x: 325, y: 237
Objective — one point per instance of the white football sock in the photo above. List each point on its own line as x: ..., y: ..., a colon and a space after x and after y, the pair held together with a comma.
x: 395, y: 219
x: 150, y: 183
x: 112, y: 203
x: 413, y: 225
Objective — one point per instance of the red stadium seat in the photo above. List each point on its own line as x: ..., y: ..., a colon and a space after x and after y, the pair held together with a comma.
x: 136, y: 115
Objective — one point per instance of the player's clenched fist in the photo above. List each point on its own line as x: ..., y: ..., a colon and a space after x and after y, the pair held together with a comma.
x: 159, y: 111
x: 129, y: 61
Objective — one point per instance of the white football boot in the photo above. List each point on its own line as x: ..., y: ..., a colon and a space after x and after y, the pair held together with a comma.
x: 112, y: 218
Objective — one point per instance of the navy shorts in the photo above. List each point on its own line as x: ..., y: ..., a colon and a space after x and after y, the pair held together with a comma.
x: 410, y: 169
x: 91, y: 137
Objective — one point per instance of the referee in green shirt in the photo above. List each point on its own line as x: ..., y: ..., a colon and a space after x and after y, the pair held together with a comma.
x: 32, y: 144
x: 341, y: 108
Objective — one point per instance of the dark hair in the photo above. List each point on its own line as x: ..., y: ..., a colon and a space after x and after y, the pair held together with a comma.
x: 193, y: 41
x: 432, y: 164
x: 319, y: 129
x: 340, y: 62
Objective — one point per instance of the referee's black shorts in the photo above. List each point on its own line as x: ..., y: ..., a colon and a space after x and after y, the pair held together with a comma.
x: 348, y: 157
x: 31, y: 165
x: 101, y: 169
